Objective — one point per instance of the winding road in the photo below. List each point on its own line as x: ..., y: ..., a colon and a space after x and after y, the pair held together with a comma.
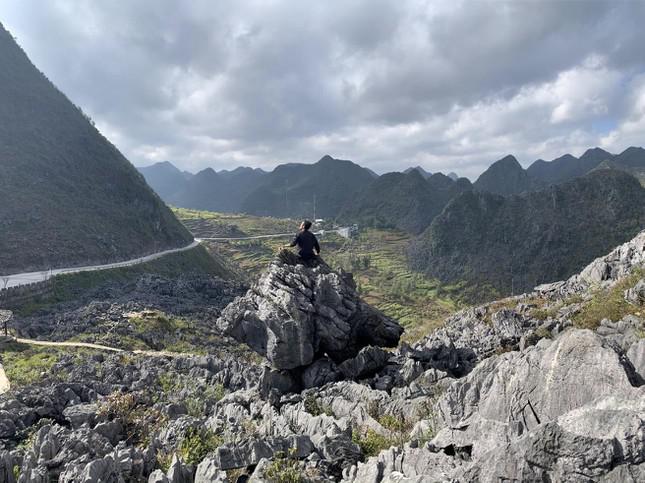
x: 18, y: 279
x: 341, y: 231
x: 15, y: 280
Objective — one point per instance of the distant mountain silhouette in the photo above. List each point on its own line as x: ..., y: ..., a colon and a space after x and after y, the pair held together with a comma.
x: 567, y: 167
x: 67, y: 195
x: 353, y: 191
x: 632, y: 157
x: 165, y: 178
x: 420, y: 170
x: 516, y: 242
x: 506, y: 177
x: 287, y: 191
x: 290, y: 189
x: 407, y: 201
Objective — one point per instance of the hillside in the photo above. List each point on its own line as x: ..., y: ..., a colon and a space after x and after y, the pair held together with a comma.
x: 289, y: 190
x: 506, y: 177
x: 67, y: 195
x: 408, y: 202
x: 518, y: 242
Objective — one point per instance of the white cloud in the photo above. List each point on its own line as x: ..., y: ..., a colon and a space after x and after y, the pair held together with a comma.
x: 631, y: 130
x: 448, y: 85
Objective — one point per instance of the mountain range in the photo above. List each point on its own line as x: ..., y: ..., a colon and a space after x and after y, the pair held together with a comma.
x: 507, y: 177
x: 290, y: 190
x: 344, y: 190
x: 514, y: 243
x: 67, y: 196
x: 407, y: 201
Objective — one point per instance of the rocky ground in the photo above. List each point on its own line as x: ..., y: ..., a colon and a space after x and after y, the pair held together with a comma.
x: 548, y: 386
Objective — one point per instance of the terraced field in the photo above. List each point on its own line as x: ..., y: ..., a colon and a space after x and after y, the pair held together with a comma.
x: 377, y: 258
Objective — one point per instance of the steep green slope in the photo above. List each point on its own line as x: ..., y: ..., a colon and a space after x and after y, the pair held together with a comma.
x: 517, y: 242
x: 67, y: 196
x: 408, y: 202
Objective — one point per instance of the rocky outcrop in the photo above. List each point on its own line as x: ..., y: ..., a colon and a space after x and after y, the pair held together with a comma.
x: 541, y: 414
x: 297, y: 314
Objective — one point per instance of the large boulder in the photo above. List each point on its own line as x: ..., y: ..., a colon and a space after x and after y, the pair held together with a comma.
x: 297, y: 313
x: 515, y: 392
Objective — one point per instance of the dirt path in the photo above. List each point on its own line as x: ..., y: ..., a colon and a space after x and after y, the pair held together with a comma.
x: 88, y: 345
x: 4, y: 382
x: 5, y: 385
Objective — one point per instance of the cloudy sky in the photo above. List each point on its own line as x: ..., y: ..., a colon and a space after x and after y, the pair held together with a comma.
x: 389, y: 84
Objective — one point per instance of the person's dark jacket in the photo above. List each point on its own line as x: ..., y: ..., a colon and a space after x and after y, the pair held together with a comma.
x: 306, y: 242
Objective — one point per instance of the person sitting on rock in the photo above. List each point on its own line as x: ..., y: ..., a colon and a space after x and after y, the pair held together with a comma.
x: 308, y: 247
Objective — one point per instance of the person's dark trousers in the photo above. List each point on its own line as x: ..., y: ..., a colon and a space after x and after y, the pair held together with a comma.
x: 308, y: 260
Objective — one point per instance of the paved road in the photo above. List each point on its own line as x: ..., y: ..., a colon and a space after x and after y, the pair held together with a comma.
x: 31, y: 277
x: 257, y: 237
x: 15, y: 280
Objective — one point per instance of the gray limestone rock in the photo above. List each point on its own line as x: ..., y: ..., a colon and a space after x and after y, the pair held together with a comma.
x: 207, y: 472
x: 6, y: 468
x: 636, y: 355
x: 321, y: 372
x: 296, y: 313
x: 80, y: 414
x: 178, y: 472
x: 251, y: 451
x: 368, y: 361
x: 157, y: 476
x: 636, y: 294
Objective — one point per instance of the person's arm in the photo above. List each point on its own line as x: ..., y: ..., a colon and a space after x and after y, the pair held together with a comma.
x: 294, y: 242
x: 316, y: 245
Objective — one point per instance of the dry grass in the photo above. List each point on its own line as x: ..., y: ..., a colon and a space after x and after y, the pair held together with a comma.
x: 608, y: 304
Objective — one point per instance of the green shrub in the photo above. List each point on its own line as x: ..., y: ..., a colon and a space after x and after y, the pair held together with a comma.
x: 371, y: 442
x: 284, y: 469
x: 313, y: 407
x: 139, y: 421
x: 164, y: 460
x: 197, y: 444
x: 399, y: 427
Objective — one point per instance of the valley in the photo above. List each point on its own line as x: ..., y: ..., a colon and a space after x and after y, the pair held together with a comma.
x: 377, y: 258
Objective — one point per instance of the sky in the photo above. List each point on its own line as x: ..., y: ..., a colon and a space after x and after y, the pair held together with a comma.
x: 447, y: 85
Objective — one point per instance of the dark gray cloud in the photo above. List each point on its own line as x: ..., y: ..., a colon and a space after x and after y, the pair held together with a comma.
x: 447, y: 85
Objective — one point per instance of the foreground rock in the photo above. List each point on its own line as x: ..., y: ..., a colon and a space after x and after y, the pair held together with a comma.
x: 511, y: 391
x: 296, y: 314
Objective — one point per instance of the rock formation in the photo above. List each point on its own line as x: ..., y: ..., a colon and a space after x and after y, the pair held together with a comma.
x: 302, y: 316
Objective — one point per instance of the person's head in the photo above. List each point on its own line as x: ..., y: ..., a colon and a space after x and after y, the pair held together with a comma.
x: 305, y: 225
